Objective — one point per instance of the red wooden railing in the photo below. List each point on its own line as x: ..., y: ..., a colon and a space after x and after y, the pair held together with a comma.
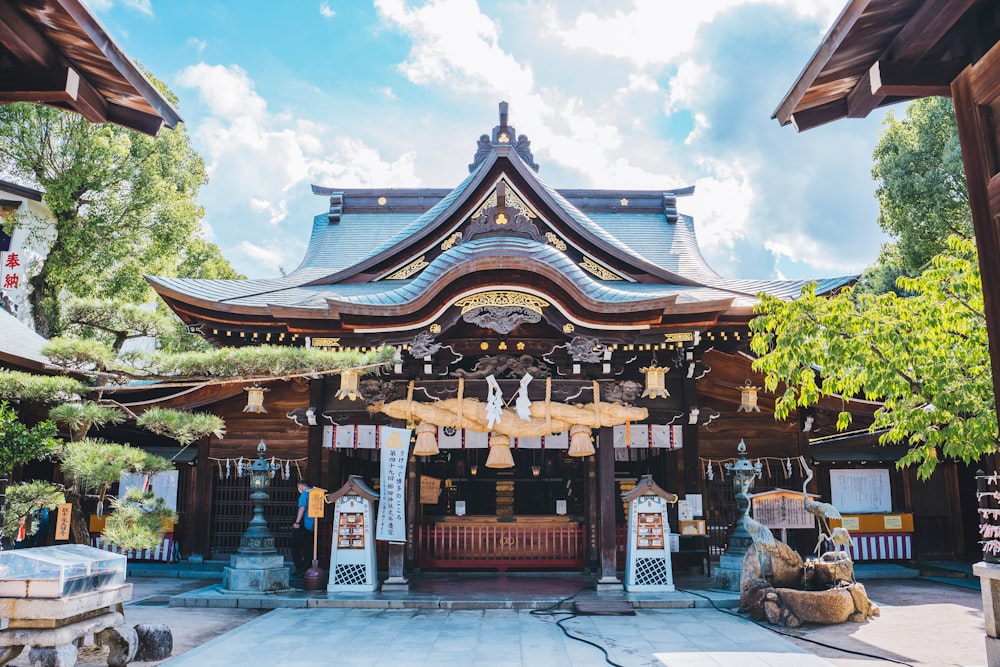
x: 502, y: 546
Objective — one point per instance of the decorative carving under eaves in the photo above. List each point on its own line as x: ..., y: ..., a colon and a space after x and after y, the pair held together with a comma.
x: 627, y: 391
x: 423, y: 345
x: 555, y: 241
x: 411, y: 269
x: 502, y: 319
x: 586, y: 350
x: 602, y: 273
x: 503, y: 212
x: 501, y: 298
x: 505, y: 366
x: 373, y: 389
x: 450, y: 242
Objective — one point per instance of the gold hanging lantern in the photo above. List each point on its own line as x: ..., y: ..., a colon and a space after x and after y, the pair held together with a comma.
x: 426, y: 440
x: 748, y: 398
x: 348, y: 385
x: 580, y: 441
x: 255, y: 399
x: 500, y: 452
x: 656, y: 382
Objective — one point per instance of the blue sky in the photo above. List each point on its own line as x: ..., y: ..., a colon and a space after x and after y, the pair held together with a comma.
x: 649, y: 94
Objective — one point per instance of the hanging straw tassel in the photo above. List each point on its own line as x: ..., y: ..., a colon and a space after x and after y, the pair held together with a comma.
x: 426, y: 440
x: 409, y: 405
x: 500, y: 452
x: 580, y: 441
x: 548, y: 405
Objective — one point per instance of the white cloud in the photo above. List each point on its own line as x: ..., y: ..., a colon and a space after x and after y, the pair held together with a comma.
x: 654, y: 32
x: 260, y: 163
x: 455, y: 43
x: 142, y: 6
x: 326, y: 11
x: 198, y: 44
x: 261, y: 256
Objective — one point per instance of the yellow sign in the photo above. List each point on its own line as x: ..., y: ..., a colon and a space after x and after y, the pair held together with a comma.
x: 893, y: 522
x: 430, y: 490
x: 63, y: 519
x: 316, y: 507
x: 680, y: 337
x: 851, y: 523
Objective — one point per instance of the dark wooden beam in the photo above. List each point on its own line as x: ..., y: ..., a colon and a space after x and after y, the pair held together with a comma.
x: 144, y: 122
x: 821, y: 115
x: 928, y: 25
x: 22, y: 39
x: 861, y: 101
x: 912, y: 79
x: 41, y: 85
x: 608, y: 501
x: 979, y: 155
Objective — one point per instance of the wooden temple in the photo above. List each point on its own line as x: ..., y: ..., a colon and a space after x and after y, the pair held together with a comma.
x: 587, y: 320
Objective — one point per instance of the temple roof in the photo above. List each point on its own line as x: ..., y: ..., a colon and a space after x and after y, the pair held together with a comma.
x: 402, y: 255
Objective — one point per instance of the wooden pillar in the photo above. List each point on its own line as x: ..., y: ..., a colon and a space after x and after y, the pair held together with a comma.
x: 974, y: 92
x: 314, y: 442
x: 200, y: 530
x: 592, y: 501
x: 606, y: 490
x: 692, y: 466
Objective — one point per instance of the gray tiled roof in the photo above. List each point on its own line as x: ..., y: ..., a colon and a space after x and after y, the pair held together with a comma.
x: 644, y: 238
x: 19, y: 340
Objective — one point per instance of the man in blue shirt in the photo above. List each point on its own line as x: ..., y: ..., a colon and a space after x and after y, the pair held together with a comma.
x: 302, y: 531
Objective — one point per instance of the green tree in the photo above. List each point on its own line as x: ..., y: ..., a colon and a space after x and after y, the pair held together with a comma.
x: 125, y: 204
x: 920, y: 188
x: 925, y: 357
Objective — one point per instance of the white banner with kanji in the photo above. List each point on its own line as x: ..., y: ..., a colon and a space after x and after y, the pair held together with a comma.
x: 391, y: 524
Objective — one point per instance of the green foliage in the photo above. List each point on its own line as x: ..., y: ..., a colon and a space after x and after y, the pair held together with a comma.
x: 263, y: 360
x: 921, y: 183
x: 86, y: 354
x: 26, y: 501
x: 202, y: 259
x: 125, y: 203
x: 15, y: 385
x: 78, y: 418
x: 925, y: 357
x: 119, y: 321
x: 20, y: 444
x: 137, y: 520
x: 94, y: 465
x: 184, y: 427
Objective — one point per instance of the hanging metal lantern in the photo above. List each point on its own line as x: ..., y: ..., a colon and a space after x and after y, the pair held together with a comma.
x: 500, y: 452
x: 580, y: 441
x: 426, y: 444
x: 656, y: 382
x: 255, y: 399
x: 348, y: 385
x: 748, y: 398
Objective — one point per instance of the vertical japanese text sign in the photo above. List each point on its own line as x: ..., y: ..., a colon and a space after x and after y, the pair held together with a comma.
x: 391, y: 525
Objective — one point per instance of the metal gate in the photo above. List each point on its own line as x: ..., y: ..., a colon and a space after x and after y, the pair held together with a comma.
x: 232, y: 511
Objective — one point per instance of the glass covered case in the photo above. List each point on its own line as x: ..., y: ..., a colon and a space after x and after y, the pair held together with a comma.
x: 57, y: 571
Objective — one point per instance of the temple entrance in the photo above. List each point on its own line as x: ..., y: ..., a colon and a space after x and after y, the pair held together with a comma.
x: 530, y: 516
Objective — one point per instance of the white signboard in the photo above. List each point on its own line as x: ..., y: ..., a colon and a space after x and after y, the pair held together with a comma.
x: 694, y: 500
x: 782, y: 509
x: 861, y: 491
x: 391, y: 524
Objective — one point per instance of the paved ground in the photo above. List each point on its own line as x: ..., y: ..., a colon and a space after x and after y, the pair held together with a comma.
x: 923, y: 622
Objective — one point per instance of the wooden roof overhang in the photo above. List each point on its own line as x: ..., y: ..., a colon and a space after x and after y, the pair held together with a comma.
x: 55, y: 52
x: 880, y: 52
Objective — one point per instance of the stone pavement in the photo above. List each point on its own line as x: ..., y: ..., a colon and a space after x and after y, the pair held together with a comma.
x: 496, y: 638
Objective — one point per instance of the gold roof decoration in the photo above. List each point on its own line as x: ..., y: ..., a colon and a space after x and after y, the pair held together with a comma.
x: 511, y: 199
x: 501, y: 298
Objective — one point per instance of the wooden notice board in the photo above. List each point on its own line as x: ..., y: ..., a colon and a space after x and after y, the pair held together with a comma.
x: 317, y: 503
